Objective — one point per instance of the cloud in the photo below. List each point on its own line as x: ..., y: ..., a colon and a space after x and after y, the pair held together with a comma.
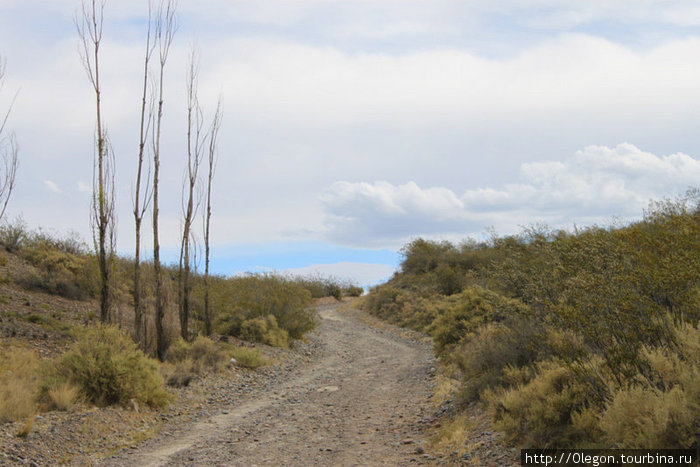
x: 84, y: 187
x: 594, y: 185
x: 321, y: 90
x: 53, y: 187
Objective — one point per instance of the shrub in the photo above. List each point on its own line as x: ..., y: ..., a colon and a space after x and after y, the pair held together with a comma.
x: 19, y: 383
x: 59, y: 272
x: 258, y: 296
x: 249, y: 357
x: 465, y: 312
x: 181, y: 373
x: 334, y: 290
x: 13, y: 236
x: 497, y: 355
x: 185, y: 361
x: 203, y: 350
x: 297, y: 322
x: 109, y: 369
x: 450, y: 280
x: 539, y: 413
x: 639, y: 417
x: 354, y: 291
x: 265, y: 330
x: 663, y: 408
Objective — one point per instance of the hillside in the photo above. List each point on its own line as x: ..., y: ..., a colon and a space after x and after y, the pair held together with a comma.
x: 568, y: 339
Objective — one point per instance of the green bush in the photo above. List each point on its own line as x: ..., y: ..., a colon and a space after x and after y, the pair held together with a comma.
x: 258, y: 296
x: 184, y: 361
x: 450, y: 279
x: 264, y: 330
x: 498, y: 355
x: 249, y: 357
x: 335, y: 291
x: 464, y: 313
x: 59, y: 272
x: 202, y: 350
x: 539, y: 413
x: 13, y: 236
x: 663, y: 407
x: 570, y: 337
x: 353, y: 291
x: 109, y: 369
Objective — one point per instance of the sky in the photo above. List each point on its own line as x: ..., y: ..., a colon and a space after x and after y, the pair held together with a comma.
x: 352, y: 127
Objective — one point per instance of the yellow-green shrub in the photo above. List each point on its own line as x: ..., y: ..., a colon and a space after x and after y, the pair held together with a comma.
x: 265, y: 330
x: 462, y: 314
x: 202, y: 350
x: 249, y: 357
x: 539, y: 413
x: 186, y: 360
x: 495, y: 354
x: 662, y: 409
x: 69, y: 274
x: 109, y: 369
x: 353, y: 291
x: 640, y: 417
x: 257, y: 296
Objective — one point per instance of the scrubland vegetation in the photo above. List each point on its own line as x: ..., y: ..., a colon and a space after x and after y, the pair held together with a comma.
x: 587, y: 338
x: 102, y: 364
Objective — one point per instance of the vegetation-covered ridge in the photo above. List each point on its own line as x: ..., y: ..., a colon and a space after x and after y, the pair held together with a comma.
x: 49, y: 291
x: 587, y: 338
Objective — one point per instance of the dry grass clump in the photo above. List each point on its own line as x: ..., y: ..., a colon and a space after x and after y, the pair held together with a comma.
x: 453, y: 435
x: 19, y: 384
x: 63, y: 396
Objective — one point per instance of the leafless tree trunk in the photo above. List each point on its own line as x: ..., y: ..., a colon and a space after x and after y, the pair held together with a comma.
x: 9, y: 150
x: 89, y: 24
x: 194, y: 158
x: 165, y: 27
x: 213, y: 135
x: 141, y: 200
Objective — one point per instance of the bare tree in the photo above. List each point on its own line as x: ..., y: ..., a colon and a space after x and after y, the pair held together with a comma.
x: 195, y: 140
x: 9, y: 150
x: 213, y: 136
x: 165, y: 27
x: 142, y: 199
x: 89, y: 25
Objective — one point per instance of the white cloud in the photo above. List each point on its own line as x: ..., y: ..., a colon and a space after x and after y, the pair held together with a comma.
x: 84, y: 187
x: 53, y: 187
x: 304, y: 110
x: 594, y: 185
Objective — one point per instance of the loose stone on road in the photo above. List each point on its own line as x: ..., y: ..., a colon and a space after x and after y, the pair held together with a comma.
x: 361, y: 401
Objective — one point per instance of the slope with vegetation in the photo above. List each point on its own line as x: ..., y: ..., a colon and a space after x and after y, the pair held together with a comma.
x: 587, y: 338
x: 55, y: 353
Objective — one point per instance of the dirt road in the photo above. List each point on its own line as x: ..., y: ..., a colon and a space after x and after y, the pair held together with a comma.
x: 362, y: 401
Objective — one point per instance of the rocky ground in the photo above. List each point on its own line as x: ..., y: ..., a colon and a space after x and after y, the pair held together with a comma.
x: 357, y: 393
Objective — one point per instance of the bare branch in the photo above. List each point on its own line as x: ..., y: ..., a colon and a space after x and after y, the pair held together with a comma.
x: 89, y: 25
x: 213, y: 137
x: 9, y: 151
x: 165, y: 27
